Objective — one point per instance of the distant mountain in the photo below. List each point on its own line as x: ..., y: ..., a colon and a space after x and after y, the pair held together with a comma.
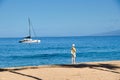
x: 111, y: 33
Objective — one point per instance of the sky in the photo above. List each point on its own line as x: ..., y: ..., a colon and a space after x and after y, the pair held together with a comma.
x: 58, y: 17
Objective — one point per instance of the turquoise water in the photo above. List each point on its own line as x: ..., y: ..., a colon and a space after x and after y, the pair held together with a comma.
x: 56, y: 50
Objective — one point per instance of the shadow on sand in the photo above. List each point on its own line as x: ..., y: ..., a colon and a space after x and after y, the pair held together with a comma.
x: 36, y: 78
x: 15, y: 72
x: 107, y: 67
x: 103, y: 67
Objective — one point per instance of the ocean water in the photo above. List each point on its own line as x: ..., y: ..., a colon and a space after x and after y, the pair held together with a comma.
x: 56, y: 50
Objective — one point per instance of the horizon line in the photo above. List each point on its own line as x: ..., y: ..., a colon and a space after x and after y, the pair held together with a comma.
x: 70, y: 36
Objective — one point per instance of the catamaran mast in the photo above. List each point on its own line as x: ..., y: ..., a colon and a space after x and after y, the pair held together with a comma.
x: 29, y: 27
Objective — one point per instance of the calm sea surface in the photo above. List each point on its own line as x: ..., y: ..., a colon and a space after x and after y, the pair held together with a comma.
x: 56, y: 50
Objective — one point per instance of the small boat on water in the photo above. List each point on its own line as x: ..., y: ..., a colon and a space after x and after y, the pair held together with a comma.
x: 29, y: 39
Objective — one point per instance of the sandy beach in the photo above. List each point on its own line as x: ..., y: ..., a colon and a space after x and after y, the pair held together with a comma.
x: 109, y: 70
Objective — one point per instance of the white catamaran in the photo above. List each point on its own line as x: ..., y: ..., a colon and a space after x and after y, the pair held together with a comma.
x: 29, y: 39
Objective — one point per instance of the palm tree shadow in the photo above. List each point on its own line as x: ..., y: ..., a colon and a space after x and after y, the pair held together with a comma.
x: 108, y: 67
x: 12, y: 71
x: 103, y: 67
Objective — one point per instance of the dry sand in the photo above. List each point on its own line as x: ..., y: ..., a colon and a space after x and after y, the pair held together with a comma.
x: 83, y: 71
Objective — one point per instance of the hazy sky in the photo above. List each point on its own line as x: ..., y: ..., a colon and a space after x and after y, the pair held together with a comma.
x: 58, y: 17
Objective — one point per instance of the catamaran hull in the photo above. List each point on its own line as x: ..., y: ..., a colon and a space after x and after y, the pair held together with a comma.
x: 29, y: 41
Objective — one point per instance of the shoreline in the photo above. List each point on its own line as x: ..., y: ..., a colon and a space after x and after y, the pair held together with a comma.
x: 56, y: 65
x: 103, y: 70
